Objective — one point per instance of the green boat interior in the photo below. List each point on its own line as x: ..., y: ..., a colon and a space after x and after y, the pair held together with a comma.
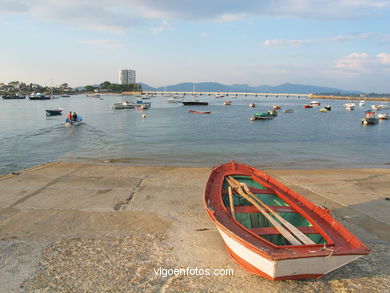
x: 251, y: 218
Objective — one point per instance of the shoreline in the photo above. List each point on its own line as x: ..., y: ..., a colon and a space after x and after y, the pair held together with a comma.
x: 71, y: 227
x: 325, y: 97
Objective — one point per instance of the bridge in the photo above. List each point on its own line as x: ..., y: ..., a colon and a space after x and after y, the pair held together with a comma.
x: 234, y: 94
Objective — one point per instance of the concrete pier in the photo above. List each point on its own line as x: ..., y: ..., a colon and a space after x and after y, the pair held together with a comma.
x: 87, y: 228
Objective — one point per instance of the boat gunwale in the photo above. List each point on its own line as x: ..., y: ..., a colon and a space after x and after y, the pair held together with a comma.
x: 293, y: 206
x: 347, y: 244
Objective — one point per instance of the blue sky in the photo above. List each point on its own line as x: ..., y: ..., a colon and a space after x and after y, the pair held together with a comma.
x: 336, y: 43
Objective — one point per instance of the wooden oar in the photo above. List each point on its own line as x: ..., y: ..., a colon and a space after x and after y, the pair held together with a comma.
x: 231, y: 202
x: 301, y: 236
x: 278, y: 226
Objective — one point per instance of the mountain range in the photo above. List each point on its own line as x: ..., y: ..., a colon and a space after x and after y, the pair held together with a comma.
x: 289, y: 88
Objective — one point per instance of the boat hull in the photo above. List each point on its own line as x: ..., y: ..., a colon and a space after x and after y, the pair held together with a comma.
x: 370, y: 121
x: 256, y: 249
x: 293, y: 269
x: 194, y: 103
x: 198, y: 112
x: 53, y: 112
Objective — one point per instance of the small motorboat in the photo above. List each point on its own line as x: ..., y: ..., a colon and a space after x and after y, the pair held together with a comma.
x: 362, y: 103
x: 327, y: 107
x: 143, y: 106
x: 124, y: 105
x: 349, y: 106
x: 272, y: 231
x: 227, y: 103
x: 383, y: 116
x: 71, y: 122
x: 315, y: 103
x: 252, y: 105
x: 273, y: 112
x: 54, y: 112
x: 262, y: 116
x: 369, y: 118
x: 307, y: 106
x: 198, y: 112
x: 194, y: 103
x: 13, y: 97
x: 288, y: 111
x: 38, y: 96
x: 276, y: 107
x: 323, y: 110
x: 175, y: 99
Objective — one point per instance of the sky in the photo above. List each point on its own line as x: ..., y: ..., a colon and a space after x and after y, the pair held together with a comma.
x: 335, y: 43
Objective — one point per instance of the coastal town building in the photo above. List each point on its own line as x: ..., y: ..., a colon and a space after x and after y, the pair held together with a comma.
x: 126, y: 76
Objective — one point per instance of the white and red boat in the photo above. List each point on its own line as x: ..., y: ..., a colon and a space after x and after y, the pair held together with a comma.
x: 273, y: 232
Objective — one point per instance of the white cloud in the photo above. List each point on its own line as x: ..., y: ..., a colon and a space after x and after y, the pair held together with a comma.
x: 383, y: 58
x: 338, y: 38
x: 162, y: 28
x: 354, y: 62
x: 118, y: 16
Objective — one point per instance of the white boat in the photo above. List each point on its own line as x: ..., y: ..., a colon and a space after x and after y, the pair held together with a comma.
x: 315, y: 103
x: 362, y: 103
x: 383, y: 116
x: 349, y: 106
x: 175, y: 99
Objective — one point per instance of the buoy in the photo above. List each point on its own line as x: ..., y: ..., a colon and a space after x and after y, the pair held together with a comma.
x: 143, y: 115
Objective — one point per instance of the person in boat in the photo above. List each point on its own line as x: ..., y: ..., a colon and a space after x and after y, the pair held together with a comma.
x: 74, y: 116
x: 69, y: 117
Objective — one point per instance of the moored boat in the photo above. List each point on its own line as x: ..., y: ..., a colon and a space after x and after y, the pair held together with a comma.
x: 262, y: 116
x: 276, y: 107
x: 315, y: 103
x: 288, y: 111
x: 194, y: 103
x: 362, y: 103
x: 175, y: 99
x: 272, y: 231
x: 273, y: 112
x: 369, y: 118
x: 323, y: 110
x: 198, y: 112
x: 38, y: 96
x: 227, y: 103
x: 327, y: 107
x: 54, y: 112
x: 252, y: 105
x: 349, y: 106
x: 307, y: 106
x: 13, y: 97
x: 383, y: 116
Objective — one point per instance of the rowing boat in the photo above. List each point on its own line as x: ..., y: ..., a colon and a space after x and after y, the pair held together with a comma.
x: 272, y: 231
x: 198, y: 112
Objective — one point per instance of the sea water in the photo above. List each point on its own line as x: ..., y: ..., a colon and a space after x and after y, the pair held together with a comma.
x: 170, y: 136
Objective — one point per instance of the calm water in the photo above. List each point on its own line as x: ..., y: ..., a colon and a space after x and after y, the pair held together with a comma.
x: 169, y: 135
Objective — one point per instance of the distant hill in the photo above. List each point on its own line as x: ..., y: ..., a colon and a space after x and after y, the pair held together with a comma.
x: 218, y: 87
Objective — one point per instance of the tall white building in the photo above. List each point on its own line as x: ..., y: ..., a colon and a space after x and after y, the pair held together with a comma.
x: 126, y: 76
